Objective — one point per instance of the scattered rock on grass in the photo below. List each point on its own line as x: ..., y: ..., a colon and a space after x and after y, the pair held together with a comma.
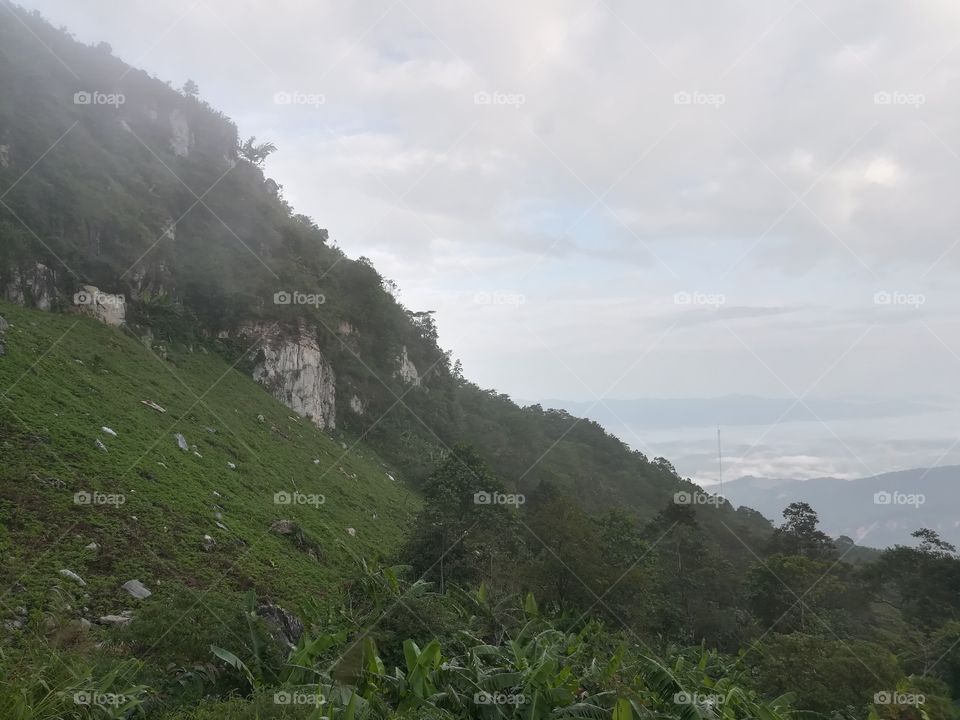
x: 99, y: 445
x: 109, y: 431
x: 284, y: 625
x: 208, y: 544
x: 137, y: 589
x: 152, y: 404
x: 71, y: 575
x: 231, y: 466
x: 181, y: 442
x: 352, y: 532
x: 121, y: 620
x: 284, y: 527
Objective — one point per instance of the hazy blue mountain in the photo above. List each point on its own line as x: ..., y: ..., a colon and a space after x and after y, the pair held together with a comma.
x: 878, y: 511
x: 734, y: 410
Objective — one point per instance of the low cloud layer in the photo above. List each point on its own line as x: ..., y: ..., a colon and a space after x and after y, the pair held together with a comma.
x: 613, y: 199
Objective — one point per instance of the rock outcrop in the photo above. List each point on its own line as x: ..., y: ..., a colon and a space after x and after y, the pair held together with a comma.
x: 181, y: 137
x: 33, y: 287
x: 105, y: 307
x: 407, y: 371
x: 294, y: 370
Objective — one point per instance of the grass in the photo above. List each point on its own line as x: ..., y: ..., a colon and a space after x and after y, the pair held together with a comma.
x: 63, y: 378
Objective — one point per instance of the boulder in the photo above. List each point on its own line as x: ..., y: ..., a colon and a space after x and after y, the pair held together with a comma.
x: 284, y: 625
x: 121, y: 620
x: 181, y: 442
x: 137, y: 589
x: 71, y: 575
x: 284, y: 527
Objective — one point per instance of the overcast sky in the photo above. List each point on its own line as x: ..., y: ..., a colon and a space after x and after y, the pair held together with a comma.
x: 613, y: 199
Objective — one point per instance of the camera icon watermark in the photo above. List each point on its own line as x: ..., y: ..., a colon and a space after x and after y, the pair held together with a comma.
x: 298, y: 498
x: 94, y: 497
x: 684, y: 497
x: 499, y: 98
x: 92, y: 297
x: 296, y: 97
x: 295, y: 297
x: 295, y: 697
x: 897, y: 297
x: 899, y: 498
x: 93, y: 698
x: 894, y: 697
x: 498, y: 498
x: 898, y: 97
x: 498, y: 698
x: 696, y: 97
x: 499, y: 297
x: 697, y: 699
x: 87, y: 97
x: 714, y: 300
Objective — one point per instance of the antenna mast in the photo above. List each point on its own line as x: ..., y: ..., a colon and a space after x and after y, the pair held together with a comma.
x: 720, y: 460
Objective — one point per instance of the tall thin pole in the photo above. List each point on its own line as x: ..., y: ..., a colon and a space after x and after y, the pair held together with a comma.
x: 720, y: 460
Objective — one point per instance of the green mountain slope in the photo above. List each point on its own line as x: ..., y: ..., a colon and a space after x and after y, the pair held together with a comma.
x: 65, y: 378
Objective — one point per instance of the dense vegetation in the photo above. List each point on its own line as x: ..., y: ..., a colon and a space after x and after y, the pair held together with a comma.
x: 469, y: 558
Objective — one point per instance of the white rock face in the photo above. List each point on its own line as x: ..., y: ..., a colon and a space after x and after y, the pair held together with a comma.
x: 4, y: 156
x: 105, y: 307
x: 295, y: 372
x: 407, y: 371
x: 181, y: 138
x: 38, y: 285
x: 357, y: 405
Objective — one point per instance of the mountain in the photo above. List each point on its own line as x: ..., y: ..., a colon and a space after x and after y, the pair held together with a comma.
x: 135, y: 203
x: 733, y: 410
x: 180, y: 471
x: 879, y: 511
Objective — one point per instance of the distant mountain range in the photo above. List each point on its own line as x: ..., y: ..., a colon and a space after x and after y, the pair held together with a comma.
x: 654, y: 413
x: 878, y: 511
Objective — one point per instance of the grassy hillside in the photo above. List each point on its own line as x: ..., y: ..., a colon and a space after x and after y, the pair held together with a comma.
x: 63, y: 378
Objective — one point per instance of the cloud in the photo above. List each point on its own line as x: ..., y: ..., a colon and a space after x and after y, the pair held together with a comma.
x: 796, y: 158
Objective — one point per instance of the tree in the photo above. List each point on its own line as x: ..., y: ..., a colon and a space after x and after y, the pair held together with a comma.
x: 463, y: 531
x: 191, y: 89
x: 256, y: 153
x: 799, y: 534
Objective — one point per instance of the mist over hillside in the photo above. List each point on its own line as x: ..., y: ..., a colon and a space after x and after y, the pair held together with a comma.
x: 242, y: 475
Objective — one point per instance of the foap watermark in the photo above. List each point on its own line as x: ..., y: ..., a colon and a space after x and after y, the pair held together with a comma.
x: 498, y: 498
x: 298, y: 498
x: 698, y: 699
x: 899, y: 498
x: 95, y: 497
x: 296, y: 97
x: 295, y: 297
x: 93, y: 698
x: 713, y: 300
x: 498, y: 698
x: 894, y: 697
x: 696, y: 97
x: 93, y: 297
x: 499, y: 98
x: 295, y: 697
x: 898, y: 297
x: 499, y: 297
x: 684, y: 497
x: 95, y: 97
x: 899, y: 97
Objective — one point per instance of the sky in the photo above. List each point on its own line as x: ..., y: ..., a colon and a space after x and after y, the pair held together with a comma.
x: 625, y: 199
